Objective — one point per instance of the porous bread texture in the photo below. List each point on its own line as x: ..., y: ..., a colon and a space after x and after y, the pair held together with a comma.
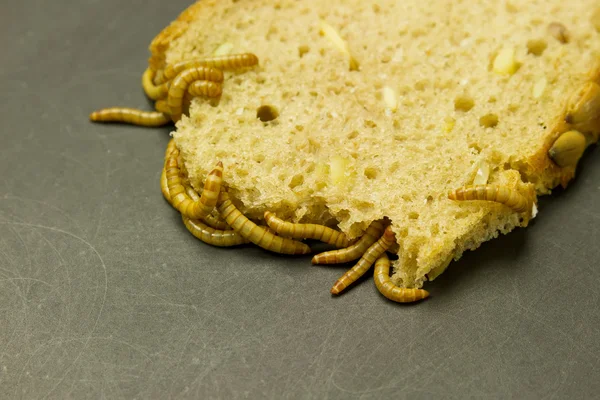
x: 429, y: 105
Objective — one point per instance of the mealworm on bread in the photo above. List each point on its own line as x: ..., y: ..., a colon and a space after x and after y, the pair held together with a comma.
x: 162, y: 106
x: 188, y: 80
x: 365, y: 262
x: 496, y: 193
x: 215, y: 237
x: 205, y: 89
x: 258, y: 235
x: 155, y: 92
x: 231, y: 61
x: 353, y: 252
x: 381, y: 276
x: 306, y: 231
x: 181, y: 201
x: 130, y: 116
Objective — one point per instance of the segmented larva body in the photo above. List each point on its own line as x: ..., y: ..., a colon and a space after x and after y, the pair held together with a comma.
x: 181, y: 201
x: 164, y: 186
x: 391, y: 291
x: 214, y: 221
x: 306, y: 231
x: 215, y: 237
x: 373, y: 253
x: 258, y: 235
x: 353, y: 252
x: 155, y: 92
x: 188, y: 80
x: 162, y: 106
x: 205, y: 89
x: 232, y: 61
x: 130, y: 116
x: 499, y: 194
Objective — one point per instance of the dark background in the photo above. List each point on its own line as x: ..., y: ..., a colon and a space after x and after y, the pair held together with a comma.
x: 104, y: 294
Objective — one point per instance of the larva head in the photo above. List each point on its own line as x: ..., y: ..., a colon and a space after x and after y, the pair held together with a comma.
x: 568, y: 149
x: 217, y: 170
x: 388, y: 234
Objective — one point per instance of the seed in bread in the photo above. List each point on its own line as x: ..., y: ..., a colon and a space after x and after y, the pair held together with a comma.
x: 568, y: 148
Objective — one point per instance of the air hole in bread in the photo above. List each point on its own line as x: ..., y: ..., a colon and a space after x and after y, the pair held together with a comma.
x: 463, y: 103
x: 488, y: 120
x: 259, y: 158
x: 536, y: 46
x: 267, y: 113
x: 371, y: 172
x: 299, y: 128
x: 302, y: 50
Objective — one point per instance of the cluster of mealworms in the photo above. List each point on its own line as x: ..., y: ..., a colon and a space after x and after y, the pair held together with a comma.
x: 174, y: 87
x: 229, y: 227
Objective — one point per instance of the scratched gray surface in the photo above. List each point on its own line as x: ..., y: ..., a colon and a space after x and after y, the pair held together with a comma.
x: 103, y: 294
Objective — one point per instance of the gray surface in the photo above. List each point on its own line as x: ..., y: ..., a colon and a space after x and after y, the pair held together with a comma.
x: 104, y: 294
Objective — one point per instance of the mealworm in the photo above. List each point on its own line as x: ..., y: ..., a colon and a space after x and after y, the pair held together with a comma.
x: 499, y: 194
x: 130, y: 116
x: 154, y: 92
x: 391, y: 291
x: 365, y: 262
x: 353, y: 252
x: 162, y: 106
x: 164, y: 186
x: 189, y: 80
x: 181, y: 201
x: 216, y: 237
x: 231, y: 61
x: 258, y: 235
x: 214, y: 221
x: 306, y: 231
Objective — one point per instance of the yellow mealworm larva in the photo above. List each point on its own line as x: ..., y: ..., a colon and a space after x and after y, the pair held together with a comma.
x: 214, y: 221
x: 152, y: 91
x: 231, y: 61
x: 162, y: 106
x: 391, y: 291
x: 181, y: 201
x: 353, y: 252
x: 365, y: 262
x: 164, y: 186
x: 130, y: 116
x: 188, y: 79
x: 499, y: 194
x: 306, y: 231
x: 216, y: 237
x: 205, y: 89
x: 258, y: 235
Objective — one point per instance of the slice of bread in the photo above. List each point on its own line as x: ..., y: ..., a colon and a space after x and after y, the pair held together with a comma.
x: 365, y: 110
